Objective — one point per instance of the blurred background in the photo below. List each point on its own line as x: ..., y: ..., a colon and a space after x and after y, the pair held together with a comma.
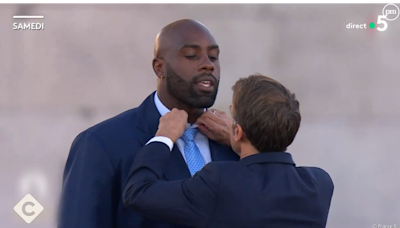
x: 94, y: 61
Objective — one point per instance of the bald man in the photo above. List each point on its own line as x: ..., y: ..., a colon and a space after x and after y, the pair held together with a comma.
x: 186, y: 63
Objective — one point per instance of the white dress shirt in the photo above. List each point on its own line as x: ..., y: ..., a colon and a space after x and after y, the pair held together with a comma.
x: 200, y: 139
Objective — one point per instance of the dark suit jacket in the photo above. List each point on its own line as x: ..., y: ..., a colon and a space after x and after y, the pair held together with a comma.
x: 98, y: 165
x: 265, y: 190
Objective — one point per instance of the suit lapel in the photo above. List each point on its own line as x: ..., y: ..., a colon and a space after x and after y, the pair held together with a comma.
x: 148, y: 120
x: 177, y: 168
x: 221, y: 152
x: 148, y: 117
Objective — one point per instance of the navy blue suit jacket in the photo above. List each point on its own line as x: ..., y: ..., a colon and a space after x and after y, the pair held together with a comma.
x: 265, y: 190
x: 98, y: 165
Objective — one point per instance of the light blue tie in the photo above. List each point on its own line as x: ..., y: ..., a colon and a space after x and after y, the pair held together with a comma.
x: 193, y: 156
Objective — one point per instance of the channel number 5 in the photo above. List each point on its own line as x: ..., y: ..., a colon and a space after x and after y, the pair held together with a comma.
x: 382, y: 22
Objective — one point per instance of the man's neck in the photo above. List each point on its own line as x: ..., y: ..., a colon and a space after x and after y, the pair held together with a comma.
x: 247, y: 150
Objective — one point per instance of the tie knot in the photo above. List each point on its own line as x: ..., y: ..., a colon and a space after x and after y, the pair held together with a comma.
x: 189, y: 134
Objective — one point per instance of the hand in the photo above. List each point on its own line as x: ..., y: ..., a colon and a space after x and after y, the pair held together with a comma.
x: 215, y: 125
x: 173, y: 124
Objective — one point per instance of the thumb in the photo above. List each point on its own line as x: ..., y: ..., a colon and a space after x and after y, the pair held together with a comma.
x: 204, y: 130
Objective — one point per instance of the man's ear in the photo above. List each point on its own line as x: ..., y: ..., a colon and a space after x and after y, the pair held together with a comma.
x: 238, y: 133
x: 158, y: 67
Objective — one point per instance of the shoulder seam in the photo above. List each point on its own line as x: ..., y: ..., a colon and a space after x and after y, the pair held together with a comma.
x: 103, y: 147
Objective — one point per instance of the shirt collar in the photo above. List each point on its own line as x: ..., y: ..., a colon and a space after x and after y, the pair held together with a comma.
x: 268, y: 157
x: 164, y: 110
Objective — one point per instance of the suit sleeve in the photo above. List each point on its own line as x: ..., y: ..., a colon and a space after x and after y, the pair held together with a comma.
x: 87, y: 199
x: 188, y: 202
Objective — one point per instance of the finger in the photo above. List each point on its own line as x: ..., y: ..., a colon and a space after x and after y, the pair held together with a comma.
x: 183, y: 113
x: 211, y: 125
x: 200, y: 121
x: 207, y: 121
x: 209, y: 114
x: 204, y: 130
x: 213, y: 117
x: 204, y: 120
x: 213, y: 111
x: 217, y: 112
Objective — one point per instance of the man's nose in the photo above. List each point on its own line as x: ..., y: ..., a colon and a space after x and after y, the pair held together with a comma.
x: 206, y: 65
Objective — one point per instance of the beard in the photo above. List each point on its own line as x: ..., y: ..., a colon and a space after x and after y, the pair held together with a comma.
x: 185, y: 92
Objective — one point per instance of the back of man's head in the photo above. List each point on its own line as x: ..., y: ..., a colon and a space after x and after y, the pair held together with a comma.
x: 267, y: 112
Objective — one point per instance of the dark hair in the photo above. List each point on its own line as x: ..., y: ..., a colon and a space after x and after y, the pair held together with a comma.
x: 268, y: 113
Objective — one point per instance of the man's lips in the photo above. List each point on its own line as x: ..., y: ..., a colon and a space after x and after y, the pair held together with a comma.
x: 206, y: 84
x: 206, y: 81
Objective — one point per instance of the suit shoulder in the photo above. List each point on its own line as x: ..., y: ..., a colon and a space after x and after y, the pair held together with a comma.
x: 211, y: 166
x: 113, y: 124
x: 95, y: 131
x: 217, y: 170
x: 114, y: 129
x: 115, y: 121
x: 220, y: 165
x: 318, y: 173
x: 224, y: 166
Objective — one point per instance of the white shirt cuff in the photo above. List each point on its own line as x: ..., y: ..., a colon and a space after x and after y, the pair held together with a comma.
x: 162, y: 139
